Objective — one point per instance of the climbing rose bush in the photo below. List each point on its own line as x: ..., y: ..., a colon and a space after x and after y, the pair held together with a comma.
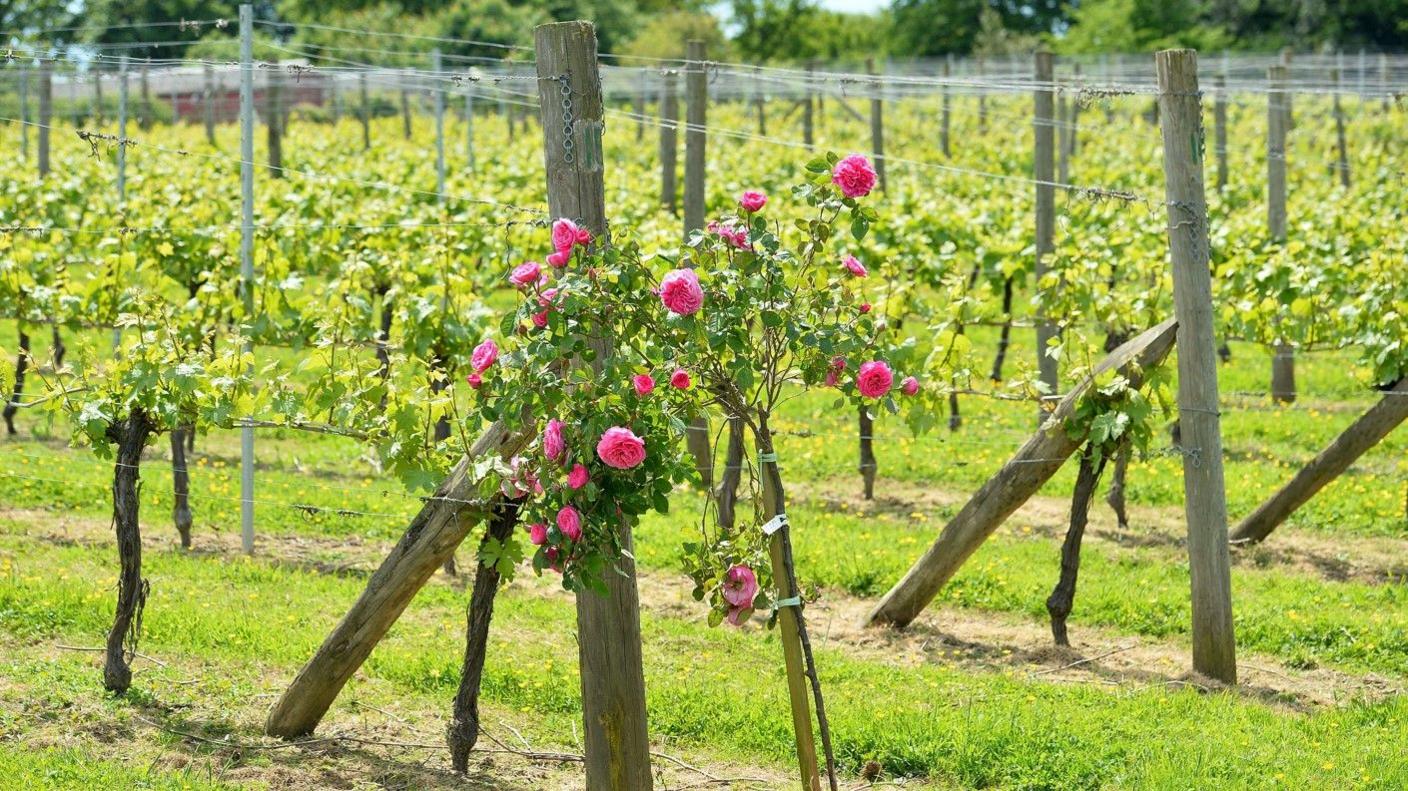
x: 742, y: 313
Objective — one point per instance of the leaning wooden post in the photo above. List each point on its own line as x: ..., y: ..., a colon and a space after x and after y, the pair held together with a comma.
x: 877, y: 123
x: 1340, y: 143
x: 1039, y: 458
x: 608, y: 627
x: 1283, y: 360
x: 1205, y: 499
x: 46, y: 113
x: 695, y: 140
x: 774, y: 511
x: 669, y: 140
x: 946, y: 111
x: 1219, y: 118
x: 1044, y: 175
x: 1363, y: 434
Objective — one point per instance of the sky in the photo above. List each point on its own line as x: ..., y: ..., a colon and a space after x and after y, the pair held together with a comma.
x: 857, y: 6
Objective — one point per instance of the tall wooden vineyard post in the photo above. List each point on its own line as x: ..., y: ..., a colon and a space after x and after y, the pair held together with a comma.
x: 1205, y: 498
x: 1044, y: 174
x: 608, y: 627
x: 1283, y: 360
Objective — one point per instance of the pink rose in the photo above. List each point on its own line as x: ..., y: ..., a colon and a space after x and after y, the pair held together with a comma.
x: 735, y: 615
x: 680, y: 379
x: 864, y: 307
x: 547, y: 296
x: 838, y: 363
x: 680, y: 292
x: 521, y: 481
x: 559, y: 258
x: 570, y: 523
x: 738, y: 237
x: 832, y: 378
x: 553, y: 446
x: 740, y: 586
x: 540, y: 319
x: 566, y: 233
x: 752, y: 201
x: 854, y: 176
x: 874, y: 379
x: 909, y: 386
x: 474, y: 380
x: 620, y: 448
x: 552, y: 554
x: 578, y: 477
x: 484, y: 356
x: 644, y: 384
x: 538, y: 533
x: 526, y: 274
x: 853, y: 264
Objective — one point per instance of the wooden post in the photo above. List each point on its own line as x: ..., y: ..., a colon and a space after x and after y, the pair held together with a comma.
x: 946, y: 112
x: 640, y: 108
x: 121, y: 149
x: 1286, y: 53
x: 443, y: 522
x: 366, y: 113
x: 144, y: 121
x: 669, y: 145
x: 695, y: 139
x: 469, y: 124
x: 1283, y: 361
x: 208, y: 103
x: 98, y: 113
x: 24, y: 111
x: 435, y: 63
x: 1063, y: 139
x: 1021, y: 477
x: 1073, y: 133
x: 608, y: 627
x: 1219, y: 117
x: 982, y: 98
x: 808, y: 107
x: 46, y: 113
x: 1340, y: 143
x: 1205, y: 499
x: 334, y: 99
x: 788, y: 633
x: 1363, y: 434
x: 877, y: 123
x: 759, y: 104
x: 405, y: 110
x: 273, y: 120
x: 1044, y: 173
x: 1383, y: 79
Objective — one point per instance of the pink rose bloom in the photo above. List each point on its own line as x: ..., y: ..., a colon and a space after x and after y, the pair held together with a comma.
x: 752, y: 201
x: 526, y: 274
x: 559, y: 258
x: 854, y: 176
x: 570, y: 523
x: 644, y: 384
x: 909, y: 386
x: 620, y: 448
x: 578, y: 477
x: 740, y: 586
x: 839, y: 363
x: 874, y: 379
x: 735, y: 616
x: 553, y: 446
x: 864, y: 307
x: 680, y: 379
x: 538, y: 533
x: 552, y: 554
x: 566, y: 233
x: 853, y: 264
x: 738, y: 237
x: 484, y: 356
x: 540, y: 319
x: 547, y: 296
x: 680, y: 292
x: 474, y: 380
x: 832, y: 378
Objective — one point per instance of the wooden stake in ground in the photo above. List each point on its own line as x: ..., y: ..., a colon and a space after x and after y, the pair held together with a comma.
x: 1205, y: 499
x: 1329, y: 464
x: 669, y: 141
x: 1219, y: 119
x: 945, y: 112
x: 808, y: 122
x: 274, y: 121
x: 443, y: 522
x: 877, y: 123
x: 1340, y: 145
x: 46, y: 113
x: 1283, y: 360
x: 1020, y: 478
x: 1044, y: 173
x: 608, y: 627
x: 208, y: 102
x: 365, y: 113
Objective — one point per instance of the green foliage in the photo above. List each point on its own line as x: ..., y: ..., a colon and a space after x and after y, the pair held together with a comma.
x: 665, y: 34
x: 1142, y: 26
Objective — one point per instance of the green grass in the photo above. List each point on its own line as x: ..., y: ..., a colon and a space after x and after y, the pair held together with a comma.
x: 71, y: 768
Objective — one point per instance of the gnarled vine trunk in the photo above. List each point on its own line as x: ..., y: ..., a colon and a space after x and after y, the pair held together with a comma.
x: 733, y: 475
x: 1005, y: 338
x: 59, y: 348
x: 464, y: 726
x: 21, y: 365
x: 1115, y: 497
x: 181, y: 486
x: 130, y: 435
x: 1064, y: 595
